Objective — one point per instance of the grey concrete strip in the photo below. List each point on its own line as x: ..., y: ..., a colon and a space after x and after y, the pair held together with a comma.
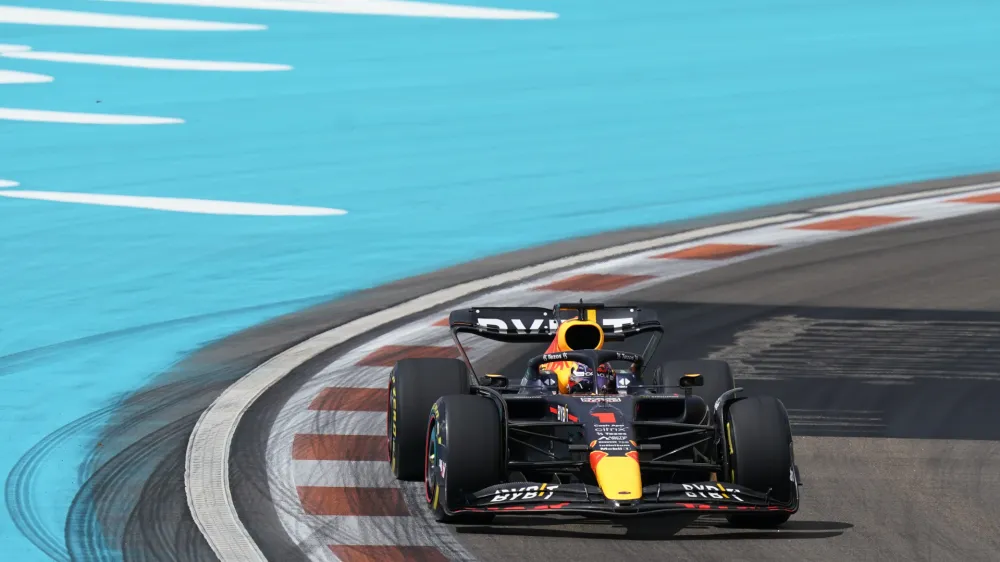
x: 197, y: 380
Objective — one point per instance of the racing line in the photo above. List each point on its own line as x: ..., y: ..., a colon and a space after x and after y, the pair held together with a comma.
x: 881, y: 346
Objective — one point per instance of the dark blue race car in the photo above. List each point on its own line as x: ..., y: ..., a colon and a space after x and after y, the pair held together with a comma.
x: 587, y: 430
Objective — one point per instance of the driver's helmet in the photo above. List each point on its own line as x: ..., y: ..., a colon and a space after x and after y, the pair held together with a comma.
x: 582, y: 379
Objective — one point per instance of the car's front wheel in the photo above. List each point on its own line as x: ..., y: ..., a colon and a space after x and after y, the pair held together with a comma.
x: 463, y: 454
x: 760, y: 440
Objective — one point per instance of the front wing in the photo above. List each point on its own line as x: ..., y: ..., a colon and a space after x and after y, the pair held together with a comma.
x: 530, y: 498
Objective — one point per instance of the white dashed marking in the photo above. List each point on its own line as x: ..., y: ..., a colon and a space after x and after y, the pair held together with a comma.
x: 66, y: 18
x: 364, y: 7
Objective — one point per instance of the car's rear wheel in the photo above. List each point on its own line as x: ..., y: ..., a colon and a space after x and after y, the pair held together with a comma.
x: 717, y: 378
x: 716, y: 374
x: 760, y: 440
x: 463, y: 454
x: 414, y: 386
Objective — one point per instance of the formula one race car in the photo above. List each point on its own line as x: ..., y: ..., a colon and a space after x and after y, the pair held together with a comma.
x: 579, y: 436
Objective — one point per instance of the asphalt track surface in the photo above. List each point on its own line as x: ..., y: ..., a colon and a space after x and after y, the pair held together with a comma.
x: 885, y: 348
x: 917, y: 482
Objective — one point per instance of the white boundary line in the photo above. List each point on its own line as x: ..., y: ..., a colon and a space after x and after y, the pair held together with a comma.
x: 878, y: 202
x: 206, y: 476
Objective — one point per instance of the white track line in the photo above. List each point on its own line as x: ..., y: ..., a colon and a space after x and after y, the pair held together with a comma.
x: 397, y: 8
x: 66, y: 18
x: 144, y: 62
x: 17, y: 77
x: 197, y: 206
x: 44, y: 116
x: 207, y: 462
x: 906, y: 197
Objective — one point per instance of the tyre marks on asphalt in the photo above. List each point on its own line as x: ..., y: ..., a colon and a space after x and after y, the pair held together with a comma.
x: 330, y: 448
x: 882, y: 351
x: 131, y: 505
x: 108, y: 518
x: 880, y: 372
x: 836, y: 421
x: 22, y: 491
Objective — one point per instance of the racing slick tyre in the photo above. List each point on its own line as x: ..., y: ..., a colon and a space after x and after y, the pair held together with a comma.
x: 464, y: 454
x: 760, y: 438
x: 414, y: 386
x: 716, y: 374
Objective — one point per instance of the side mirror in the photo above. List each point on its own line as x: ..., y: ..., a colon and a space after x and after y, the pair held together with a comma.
x: 692, y: 379
x: 495, y: 380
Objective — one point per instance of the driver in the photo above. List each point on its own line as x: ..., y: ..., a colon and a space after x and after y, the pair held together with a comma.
x: 570, y: 377
x: 581, y: 380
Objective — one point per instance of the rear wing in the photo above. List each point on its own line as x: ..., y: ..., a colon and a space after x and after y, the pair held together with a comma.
x: 537, y: 324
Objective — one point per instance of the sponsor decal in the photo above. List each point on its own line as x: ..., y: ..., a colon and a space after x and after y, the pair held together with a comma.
x: 617, y: 325
x: 715, y: 492
x: 622, y: 384
x: 546, y: 325
x: 517, y: 326
x: 612, y: 437
x: 542, y: 492
x: 562, y: 414
x: 600, y: 399
x: 613, y: 431
x: 556, y: 363
x: 394, y: 410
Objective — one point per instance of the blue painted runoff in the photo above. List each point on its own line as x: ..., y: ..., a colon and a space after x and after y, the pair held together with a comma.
x: 445, y: 140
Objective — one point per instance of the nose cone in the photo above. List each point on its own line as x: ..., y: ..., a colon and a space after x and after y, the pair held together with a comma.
x: 618, y: 477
